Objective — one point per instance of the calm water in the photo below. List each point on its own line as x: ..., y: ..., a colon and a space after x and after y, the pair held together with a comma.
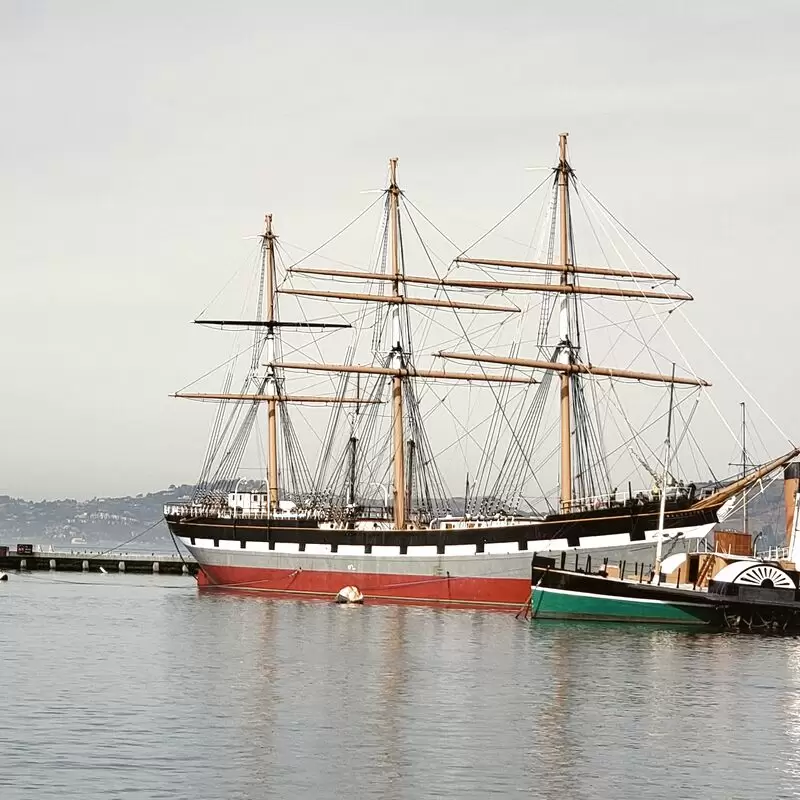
x: 131, y: 686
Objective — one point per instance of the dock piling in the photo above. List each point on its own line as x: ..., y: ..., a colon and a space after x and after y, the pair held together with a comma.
x: 152, y: 563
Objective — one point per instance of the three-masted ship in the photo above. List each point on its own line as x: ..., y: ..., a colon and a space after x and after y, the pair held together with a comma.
x: 309, y: 532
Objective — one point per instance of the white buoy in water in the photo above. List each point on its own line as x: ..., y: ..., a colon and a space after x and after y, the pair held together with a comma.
x: 350, y: 594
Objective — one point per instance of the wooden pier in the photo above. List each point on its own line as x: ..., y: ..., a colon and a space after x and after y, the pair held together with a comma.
x: 30, y: 559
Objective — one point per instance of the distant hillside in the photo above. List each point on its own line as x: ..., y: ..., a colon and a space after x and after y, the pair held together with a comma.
x: 105, y: 520
x: 99, y: 521
x: 766, y: 515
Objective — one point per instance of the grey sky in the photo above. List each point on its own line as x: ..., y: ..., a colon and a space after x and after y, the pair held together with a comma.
x: 141, y: 141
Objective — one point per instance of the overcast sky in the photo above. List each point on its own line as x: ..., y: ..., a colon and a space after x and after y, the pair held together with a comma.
x: 141, y: 141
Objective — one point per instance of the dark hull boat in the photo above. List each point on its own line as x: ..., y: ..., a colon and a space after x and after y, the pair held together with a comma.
x: 579, y: 595
x: 744, y: 595
x: 718, y: 590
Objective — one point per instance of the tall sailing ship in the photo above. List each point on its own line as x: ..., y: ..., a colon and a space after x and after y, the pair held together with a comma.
x: 375, y: 510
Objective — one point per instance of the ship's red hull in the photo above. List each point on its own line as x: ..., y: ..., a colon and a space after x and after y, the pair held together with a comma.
x: 510, y: 593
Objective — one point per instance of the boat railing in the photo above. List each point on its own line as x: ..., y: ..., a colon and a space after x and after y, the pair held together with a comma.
x: 774, y: 554
x: 477, y: 521
x: 225, y: 512
x: 619, y: 499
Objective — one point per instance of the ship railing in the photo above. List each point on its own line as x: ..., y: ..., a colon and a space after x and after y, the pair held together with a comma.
x: 596, y: 502
x: 619, y: 499
x: 191, y: 511
x: 224, y: 512
x: 774, y: 554
x: 476, y: 521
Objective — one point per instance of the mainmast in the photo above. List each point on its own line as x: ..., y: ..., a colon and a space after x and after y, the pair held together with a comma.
x: 406, y: 457
x: 565, y: 346
x: 398, y: 456
x: 271, y: 388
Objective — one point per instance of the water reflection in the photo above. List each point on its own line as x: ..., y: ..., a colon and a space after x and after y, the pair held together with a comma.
x: 173, y: 694
x: 393, y: 685
x: 790, y: 753
x: 551, y: 750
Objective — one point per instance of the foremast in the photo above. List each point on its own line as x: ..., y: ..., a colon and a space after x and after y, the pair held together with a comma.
x: 261, y: 386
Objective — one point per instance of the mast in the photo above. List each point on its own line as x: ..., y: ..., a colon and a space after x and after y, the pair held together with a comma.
x: 410, y: 475
x: 353, y: 449
x: 268, y: 263
x: 397, y: 356
x: 664, y: 479
x: 744, y: 466
x: 565, y: 348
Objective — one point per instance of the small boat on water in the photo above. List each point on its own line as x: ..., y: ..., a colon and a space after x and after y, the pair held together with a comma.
x: 715, y: 589
x: 745, y: 594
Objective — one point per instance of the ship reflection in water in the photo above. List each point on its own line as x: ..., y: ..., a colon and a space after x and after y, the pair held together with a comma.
x: 789, y: 757
x: 219, y: 695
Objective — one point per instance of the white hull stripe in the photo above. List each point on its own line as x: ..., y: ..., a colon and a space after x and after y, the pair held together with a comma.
x: 611, y: 542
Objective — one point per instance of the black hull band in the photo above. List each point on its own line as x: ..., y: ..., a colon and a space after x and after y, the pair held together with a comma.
x: 586, y: 584
x: 306, y: 532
